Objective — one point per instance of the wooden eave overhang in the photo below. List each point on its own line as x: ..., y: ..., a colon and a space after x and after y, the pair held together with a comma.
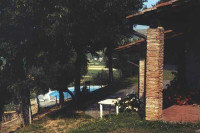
x: 163, y: 11
x: 142, y: 42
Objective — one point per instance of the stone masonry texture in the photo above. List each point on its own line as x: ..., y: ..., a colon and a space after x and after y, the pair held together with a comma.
x: 141, y: 79
x: 154, y: 73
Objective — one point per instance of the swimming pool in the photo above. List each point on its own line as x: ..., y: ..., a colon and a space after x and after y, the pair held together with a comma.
x: 55, y: 94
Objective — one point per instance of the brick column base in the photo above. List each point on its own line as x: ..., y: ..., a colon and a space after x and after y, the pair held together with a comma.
x: 154, y: 73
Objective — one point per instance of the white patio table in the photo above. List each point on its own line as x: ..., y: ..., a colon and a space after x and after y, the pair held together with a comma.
x: 108, y: 102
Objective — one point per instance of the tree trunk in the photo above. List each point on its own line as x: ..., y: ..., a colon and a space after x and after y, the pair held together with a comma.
x: 61, y: 97
x: 77, y: 75
x: 70, y: 93
x: 38, y: 102
x: 77, y: 86
x: 121, y: 74
x: 26, y: 107
x: 1, y: 116
x: 110, y: 65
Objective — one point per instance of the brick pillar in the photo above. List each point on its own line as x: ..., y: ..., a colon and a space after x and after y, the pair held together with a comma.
x: 154, y: 73
x: 141, y: 79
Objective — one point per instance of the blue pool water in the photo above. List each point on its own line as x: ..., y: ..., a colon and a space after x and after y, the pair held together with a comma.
x: 67, y: 95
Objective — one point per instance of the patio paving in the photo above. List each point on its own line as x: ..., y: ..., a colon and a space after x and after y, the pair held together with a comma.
x: 183, y: 113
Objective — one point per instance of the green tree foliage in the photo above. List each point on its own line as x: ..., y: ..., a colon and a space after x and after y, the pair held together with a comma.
x: 60, y: 76
x: 113, y: 26
x: 101, y: 78
x: 21, y: 38
x: 44, y: 43
x: 123, y: 62
x: 96, y: 24
x: 60, y: 55
x: 5, y: 95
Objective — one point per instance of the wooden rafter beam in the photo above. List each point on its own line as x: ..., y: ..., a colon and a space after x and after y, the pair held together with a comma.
x: 140, y: 35
x: 132, y: 63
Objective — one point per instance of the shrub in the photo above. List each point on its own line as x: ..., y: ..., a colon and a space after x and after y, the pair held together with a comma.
x: 101, y: 78
x: 174, y: 94
x: 129, y: 103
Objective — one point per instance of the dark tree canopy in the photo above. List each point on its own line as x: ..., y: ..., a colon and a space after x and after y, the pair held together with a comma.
x: 44, y: 43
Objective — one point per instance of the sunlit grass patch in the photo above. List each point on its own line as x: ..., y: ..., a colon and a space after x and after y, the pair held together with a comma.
x: 61, y: 121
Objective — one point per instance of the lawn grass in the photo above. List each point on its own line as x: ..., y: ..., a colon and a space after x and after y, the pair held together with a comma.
x: 131, y: 122
x: 67, y: 118
x: 60, y: 121
x: 92, y: 72
x: 97, y: 63
x: 126, y: 122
